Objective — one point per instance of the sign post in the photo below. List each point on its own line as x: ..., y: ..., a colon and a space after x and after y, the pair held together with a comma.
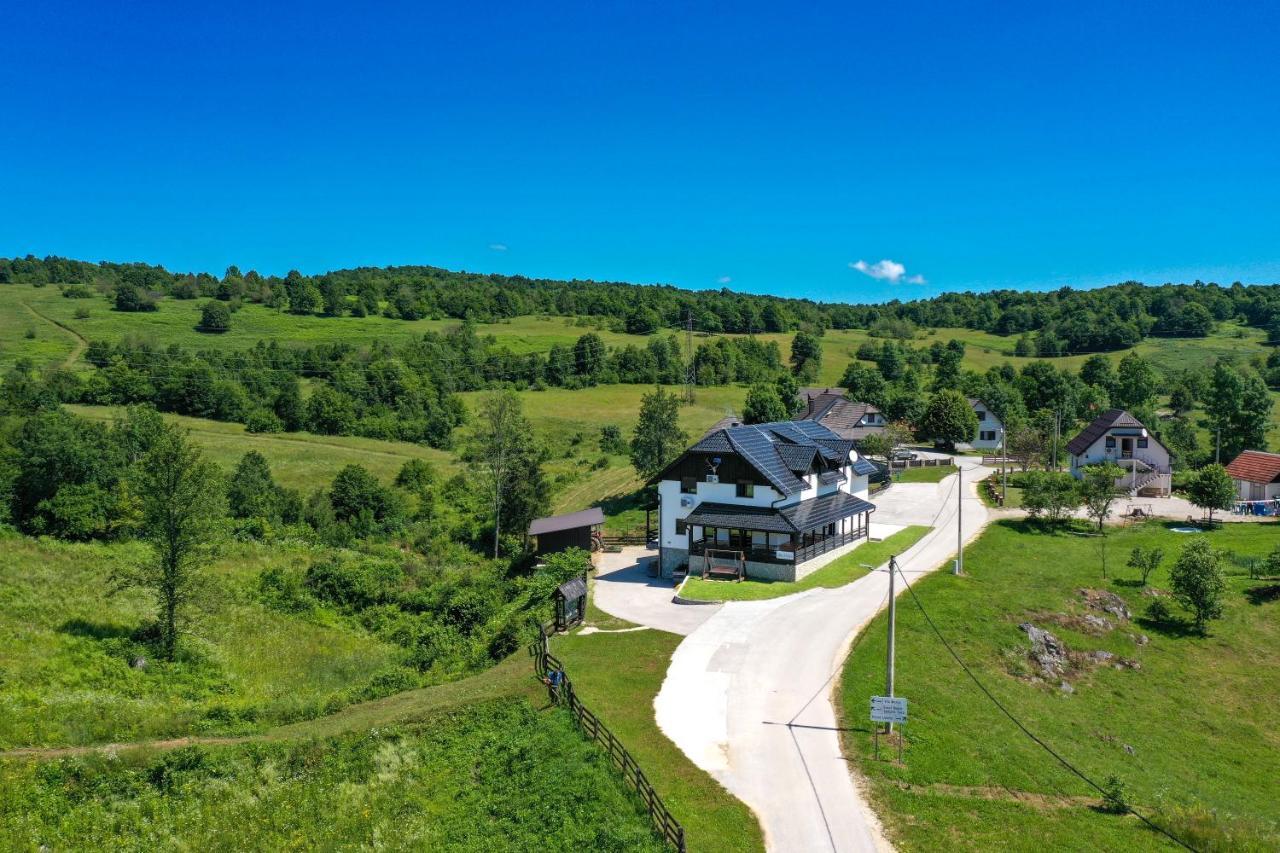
x: 890, y: 710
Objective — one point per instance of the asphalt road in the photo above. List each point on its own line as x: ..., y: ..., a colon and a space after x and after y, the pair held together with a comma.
x: 748, y: 696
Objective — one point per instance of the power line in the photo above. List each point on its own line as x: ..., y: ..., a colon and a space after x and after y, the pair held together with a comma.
x: 1030, y: 734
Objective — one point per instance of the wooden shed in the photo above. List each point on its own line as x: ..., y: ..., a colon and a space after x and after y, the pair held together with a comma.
x: 561, y: 532
x: 571, y: 602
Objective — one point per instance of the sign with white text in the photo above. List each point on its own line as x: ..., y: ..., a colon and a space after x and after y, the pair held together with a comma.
x: 888, y: 709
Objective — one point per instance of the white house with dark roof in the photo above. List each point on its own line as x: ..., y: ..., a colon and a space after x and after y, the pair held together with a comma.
x: 1118, y: 437
x: 776, y: 500
x: 988, y: 434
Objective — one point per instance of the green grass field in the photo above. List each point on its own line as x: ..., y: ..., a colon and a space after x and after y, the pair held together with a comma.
x: 66, y: 654
x: 935, y: 474
x: 500, y: 775
x: 839, y: 572
x: 617, y: 676
x: 42, y: 308
x: 298, y: 460
x: 1193, y: 734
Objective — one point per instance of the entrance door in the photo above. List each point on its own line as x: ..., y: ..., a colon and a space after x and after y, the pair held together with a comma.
x: 1126, y: 448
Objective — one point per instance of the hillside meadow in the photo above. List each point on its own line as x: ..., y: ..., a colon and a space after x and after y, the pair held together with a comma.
x: 1190, y: 729
x: 76, y: 671
x: 497, y: 775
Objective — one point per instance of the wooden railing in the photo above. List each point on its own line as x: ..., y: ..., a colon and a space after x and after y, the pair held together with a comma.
x: 805, y: 553
x: 664, y: 823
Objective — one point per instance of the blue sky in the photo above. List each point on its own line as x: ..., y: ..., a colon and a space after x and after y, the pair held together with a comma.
x: 765, y: 148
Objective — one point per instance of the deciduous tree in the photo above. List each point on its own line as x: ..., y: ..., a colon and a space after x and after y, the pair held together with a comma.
x: 182, y: 499
x: 658, y: 438
x: 1197, y: 582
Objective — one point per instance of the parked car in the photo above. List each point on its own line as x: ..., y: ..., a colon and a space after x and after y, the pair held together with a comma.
x: 904, y: 456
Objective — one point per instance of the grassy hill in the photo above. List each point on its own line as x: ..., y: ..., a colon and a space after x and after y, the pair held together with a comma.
x: 1192, y: 733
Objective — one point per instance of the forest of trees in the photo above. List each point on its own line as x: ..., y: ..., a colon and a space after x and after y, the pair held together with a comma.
x: 1047, y: 323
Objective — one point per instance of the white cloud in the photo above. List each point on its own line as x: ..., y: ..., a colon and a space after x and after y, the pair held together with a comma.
x: 724, y: 279
x: 886, y: 270
x: 498, y: 247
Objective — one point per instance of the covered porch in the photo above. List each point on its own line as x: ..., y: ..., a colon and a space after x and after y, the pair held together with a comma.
x: 730, y: 541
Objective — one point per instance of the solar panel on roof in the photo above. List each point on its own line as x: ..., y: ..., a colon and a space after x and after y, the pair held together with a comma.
x: 757, y: 449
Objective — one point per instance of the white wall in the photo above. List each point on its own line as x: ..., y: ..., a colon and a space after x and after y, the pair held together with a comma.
x: 990, y: 424
x: 1245, y: 491
x: 1096, y: 453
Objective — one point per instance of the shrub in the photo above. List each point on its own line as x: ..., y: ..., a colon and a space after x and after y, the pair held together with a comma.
x: 1158, y: 612
x: 82, y: 313
x: 355, y: 583
x: 215, y: 317
x: 263, y: 420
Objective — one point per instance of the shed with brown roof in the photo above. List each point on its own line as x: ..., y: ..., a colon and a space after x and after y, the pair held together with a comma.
x: 1256, y: 474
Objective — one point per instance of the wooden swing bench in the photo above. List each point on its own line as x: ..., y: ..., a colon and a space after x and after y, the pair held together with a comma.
x: 724, y: 565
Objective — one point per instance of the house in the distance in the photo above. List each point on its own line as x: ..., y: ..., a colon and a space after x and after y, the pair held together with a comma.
x: 1118, y: 437
x: 988, y: 434
x: 846, y: 418
x: 1256, y: 474
x: 775, y: 500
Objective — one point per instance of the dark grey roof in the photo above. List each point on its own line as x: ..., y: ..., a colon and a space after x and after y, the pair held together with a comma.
x: 756, y: 447
x: 816, y: 512
x: 714, y: 442
x: 1101, y: 424
x: 836, y: 449
x: 745, y: 517
x: 778, y: 450
x: 582, y: 518
x: 572, y: 588
x: 863, y: 467
x: 797, y: 457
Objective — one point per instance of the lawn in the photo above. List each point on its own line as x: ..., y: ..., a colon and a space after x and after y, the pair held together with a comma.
x: 66, y: 651
x: 1194, y: 734
x: 617, y: 676
x: 498, y: 775
x: 839, y: 572
x: 934, y: 474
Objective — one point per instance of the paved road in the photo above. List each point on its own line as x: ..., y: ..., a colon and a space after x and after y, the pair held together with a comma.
x: 624, y: 589
x: 748, y: 693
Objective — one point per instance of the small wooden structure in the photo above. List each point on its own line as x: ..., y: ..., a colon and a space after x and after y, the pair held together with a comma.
x: 558, y: 533
x: 571, y: 602
x: 725, y: 565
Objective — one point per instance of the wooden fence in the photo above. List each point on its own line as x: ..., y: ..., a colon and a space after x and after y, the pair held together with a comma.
x: 664, y: 823
x: 932, y: 462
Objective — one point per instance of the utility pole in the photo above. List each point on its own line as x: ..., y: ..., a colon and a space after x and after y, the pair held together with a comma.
x: 888, y: 676
x: 1004, y: 468
x: 690, y: 377
x: 959, y: 564
x: 1057, y: 431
